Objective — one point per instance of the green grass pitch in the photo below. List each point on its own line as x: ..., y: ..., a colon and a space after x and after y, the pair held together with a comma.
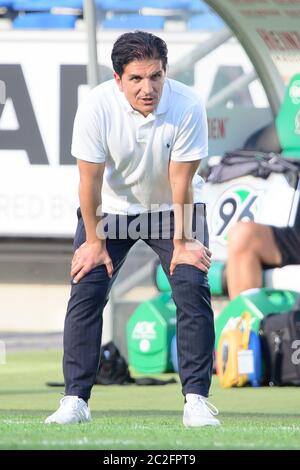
x: 136, y: 417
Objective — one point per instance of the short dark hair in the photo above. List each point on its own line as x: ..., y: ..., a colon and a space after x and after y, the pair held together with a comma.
x: 138, y: 45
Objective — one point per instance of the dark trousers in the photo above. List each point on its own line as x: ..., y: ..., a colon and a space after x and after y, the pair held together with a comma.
x: 190, y: 291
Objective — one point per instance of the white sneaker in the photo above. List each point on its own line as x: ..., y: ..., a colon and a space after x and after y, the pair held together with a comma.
x: 72, y: 410
x: 199, y: 412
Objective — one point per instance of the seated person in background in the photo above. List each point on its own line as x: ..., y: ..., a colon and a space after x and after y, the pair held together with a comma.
x: 253, y: 246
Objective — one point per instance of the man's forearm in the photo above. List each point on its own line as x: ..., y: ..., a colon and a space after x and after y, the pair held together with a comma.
x: 90, y: 202
x: 183, y: 211
x: 181, y: 177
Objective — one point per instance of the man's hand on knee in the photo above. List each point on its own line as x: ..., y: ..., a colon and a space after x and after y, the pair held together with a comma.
x: 191, y: 252
x: 87, y: 257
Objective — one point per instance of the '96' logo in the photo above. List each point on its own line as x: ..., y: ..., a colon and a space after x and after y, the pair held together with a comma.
x: 239, y: 203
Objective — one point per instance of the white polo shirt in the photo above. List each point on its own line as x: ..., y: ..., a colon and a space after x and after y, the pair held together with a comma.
x: 137, y: 149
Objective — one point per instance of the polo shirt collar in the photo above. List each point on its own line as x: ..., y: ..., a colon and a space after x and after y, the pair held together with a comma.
x: 123, y: 99
x: 163, y: 104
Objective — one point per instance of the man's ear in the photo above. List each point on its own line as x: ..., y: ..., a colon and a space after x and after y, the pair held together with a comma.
x: 118, y: 80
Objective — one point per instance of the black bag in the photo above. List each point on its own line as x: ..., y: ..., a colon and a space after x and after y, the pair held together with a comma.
x: 280, y: 337
x: 113, y: 370
x: 244, y: 162
x: 113, y: 367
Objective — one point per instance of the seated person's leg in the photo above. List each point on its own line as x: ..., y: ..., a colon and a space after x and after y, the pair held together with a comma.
x: 250, y: 246
x: 288, y: 241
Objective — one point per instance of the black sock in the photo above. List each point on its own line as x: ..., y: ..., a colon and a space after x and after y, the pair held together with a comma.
x: 84, y: 399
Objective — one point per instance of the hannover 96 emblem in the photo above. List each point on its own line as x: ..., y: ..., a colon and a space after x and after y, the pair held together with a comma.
x: 236, y: 203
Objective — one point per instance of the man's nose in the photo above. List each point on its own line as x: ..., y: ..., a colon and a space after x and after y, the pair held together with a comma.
x: 147, y: 86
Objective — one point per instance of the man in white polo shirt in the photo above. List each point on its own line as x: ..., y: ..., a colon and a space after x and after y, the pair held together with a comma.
x: 138, y: 140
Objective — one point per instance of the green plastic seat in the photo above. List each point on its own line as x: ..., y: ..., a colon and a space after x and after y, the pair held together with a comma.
x: 287, y: 122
